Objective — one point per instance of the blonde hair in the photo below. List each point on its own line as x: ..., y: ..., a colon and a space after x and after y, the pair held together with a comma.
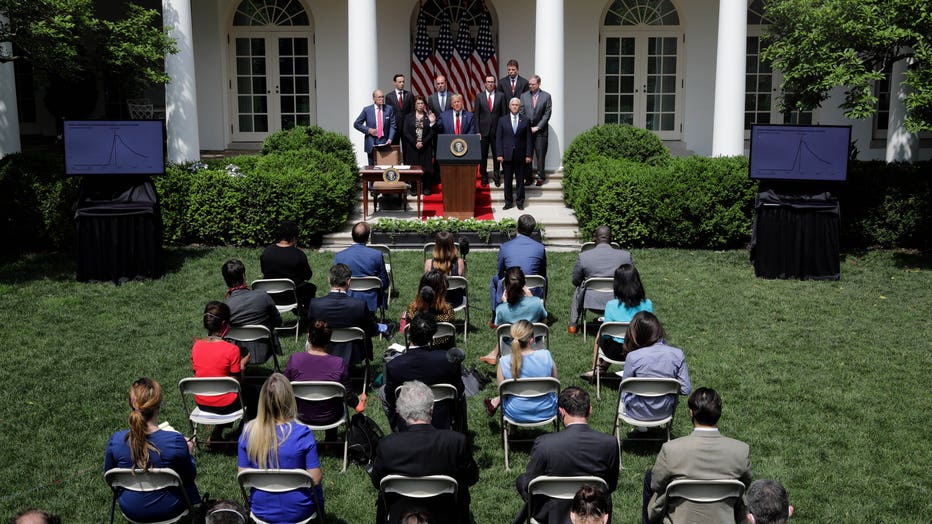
x: 445, y: 252
x: 276, y: 405
x: 522, y: 332
x: 145, y: 397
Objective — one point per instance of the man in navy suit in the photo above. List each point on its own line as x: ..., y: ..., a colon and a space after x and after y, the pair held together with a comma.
x: 513, y: 148
x: 365, y: 262
x: 522, y: 251
x: 377, y: 122
x: 489, y: 105
x: 402, y: 103
x: 341, y: 310
x: 456, y: 120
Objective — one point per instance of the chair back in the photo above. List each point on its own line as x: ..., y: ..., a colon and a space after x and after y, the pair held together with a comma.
x: 429, y: 249
x: 650, y: 387
x: 368, y: 283
x: 537, y: 281
x: 599, y: 285
x: 208, y: 386
x: 249, y: 333
x: 274, y: 480
x: 318, y: 390
x: 541, y: 337
x: 529, y: 387
x: 457, y: 282
x: 155, y: 479
x: 388, y: 156
x: 563, y: 488
x: 612, y: 329
x: 444, y: 329
x: 419, y: 487
x: 705, y: 490
x: 441, y: 392
x: 347, y: 334
x: 589, y: 245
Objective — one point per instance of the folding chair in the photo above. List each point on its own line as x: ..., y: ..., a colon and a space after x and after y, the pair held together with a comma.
x: 362, y: 284
x: 503, y: 332
x: 425, y: 487
x: 349, y: 334
x: 603, y: 285
x: 705, y: 491
x: 444, y: 329
x: 281, y: 290
x: 320, y: 391
x: 644, y: 387
x: 254, y: 333
x: 563, y: 488
x: 455, y: 282
x: 586, y: 246
x: 526, y: 387
x: 278, y: 481
x: 209, y: 387
x: 607, y: 329
x: 429, y: 249
x: 537, y: 281
x: 155, y: 479
x: 387, y: 257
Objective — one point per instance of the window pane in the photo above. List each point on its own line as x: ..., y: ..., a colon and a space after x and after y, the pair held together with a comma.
x: 611, y: 84
x: 301, y: 66
x: 245, y: 123
x: 244, y: 104
x: 287, y: 104
x: 302, y: 85
x: 285, y: 47
x: 261, y: 104
x: 303, y: 104
x: 611, y: 66
x: 261, y: 123
x: 244, y: 85
x: 612, y: 45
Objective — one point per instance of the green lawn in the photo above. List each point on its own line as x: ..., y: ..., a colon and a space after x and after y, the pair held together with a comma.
x: 822, y: 379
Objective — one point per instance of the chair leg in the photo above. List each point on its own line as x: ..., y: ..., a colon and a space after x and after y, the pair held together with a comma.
x: 505, y: 444
x: 345, y: 449
x: 597, y: 371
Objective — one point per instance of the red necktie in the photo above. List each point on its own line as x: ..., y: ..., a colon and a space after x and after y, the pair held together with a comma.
x: 490, y: 101
x: 513, y: 81
x: 457, y: 123
x: 399, y: 99
x: 378, y: 121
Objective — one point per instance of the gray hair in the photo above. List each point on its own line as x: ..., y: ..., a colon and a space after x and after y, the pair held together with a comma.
x: 415, y: 401
x: 768, y: 502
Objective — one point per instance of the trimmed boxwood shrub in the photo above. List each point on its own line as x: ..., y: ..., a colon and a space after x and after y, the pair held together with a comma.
x: 887, y: 205
x: 311, y: 137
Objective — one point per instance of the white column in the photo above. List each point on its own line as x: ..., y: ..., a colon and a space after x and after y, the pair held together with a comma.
x: 180, y: 92
x: 363, y: 66
x: 902, y: 146
x: 9, y: 113
x: 728, y: 122
x: 548, y: 61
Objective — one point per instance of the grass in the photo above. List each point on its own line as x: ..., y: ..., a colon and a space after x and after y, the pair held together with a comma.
x: 827, y: 381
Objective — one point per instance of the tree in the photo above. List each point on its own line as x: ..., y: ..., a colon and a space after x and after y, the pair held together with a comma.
x: 823, y: 44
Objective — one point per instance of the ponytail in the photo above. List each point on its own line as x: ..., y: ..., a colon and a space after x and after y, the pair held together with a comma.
x: 145, y: 397
x: 522, y: 332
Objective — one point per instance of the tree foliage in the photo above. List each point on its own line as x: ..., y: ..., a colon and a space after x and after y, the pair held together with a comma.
x: 823, y: 44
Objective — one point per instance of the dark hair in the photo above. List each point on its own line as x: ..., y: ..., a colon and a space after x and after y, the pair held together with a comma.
x: 526, y: 224
x: 340, y: 275
x: 422, y: 329
x: 397, y: 75
x: 514, y: 284
x: 361, y: 232
x: 706, y: 405
x: 768, y: 502
x: 644, y: 330
x: 589, y: 502
x: 627, y: 285
x: 225, y: 512
x: 512, y: 62
x: 319, y: 334
x: 419, y: 97
x: 575, y: 401
x: 432, y: 293
x: 287, y: 231
x: 234, y: 272
x: 46, y: 517
x: 216, y: 317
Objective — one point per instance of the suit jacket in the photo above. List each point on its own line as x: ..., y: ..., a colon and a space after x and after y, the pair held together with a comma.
x: 577, y: 450
x: 365, y: 261
x: 425, y: 450
x: 540, y: 115
x: 487, y: 119
x: 367, y: 120
x: 525, y: 252
x: 433, y: 103
x: 508, y: 143
x: 446, y: 125
x: 430, y: 366
x: 600, y: 261
x: 701, y: 455
x: 400, y: 111
x: 504, y: 85
x: 342, y: 310
x: 249, y: 307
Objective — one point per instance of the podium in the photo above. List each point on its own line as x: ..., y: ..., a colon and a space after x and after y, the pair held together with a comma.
x: 459, y: 157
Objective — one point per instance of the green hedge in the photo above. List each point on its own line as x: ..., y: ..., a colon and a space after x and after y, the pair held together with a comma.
x: 312, y: 137
x: 887, y: 205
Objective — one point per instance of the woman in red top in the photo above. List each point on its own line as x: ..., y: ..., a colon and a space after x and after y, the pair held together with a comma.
x: 215, y: 357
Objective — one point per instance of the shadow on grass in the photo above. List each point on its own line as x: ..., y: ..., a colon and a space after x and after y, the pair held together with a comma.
x: 913, y: 259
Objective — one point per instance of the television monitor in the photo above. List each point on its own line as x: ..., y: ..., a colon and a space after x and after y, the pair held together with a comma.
x: 806, y: 153
x: 114, y: 147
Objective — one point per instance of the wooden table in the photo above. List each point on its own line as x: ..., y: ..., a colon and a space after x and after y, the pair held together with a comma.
x: 412, y: 174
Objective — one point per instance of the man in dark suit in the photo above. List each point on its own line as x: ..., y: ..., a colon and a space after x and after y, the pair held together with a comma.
x: 575, y: 451
x: 522, y: 251
x: 704, y: 455
x: 439, y: 100
x: 600, y: 261
x: 377, y: 122
x: 537, y: 105
x: 342, y: 310
x: 250, y: 307
x: 424, y: 450
x: 513, y: 148
x: 420, y: 362
x: 456, y: 120
x: 365, y: 262
x: 489, y: 105
x: 402, y: 103
x: 512, y: 84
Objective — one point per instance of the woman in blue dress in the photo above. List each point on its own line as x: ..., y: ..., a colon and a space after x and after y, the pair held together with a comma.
x: 525, y: 362
x: 273, y: 440
x: 143, y: 446
x: 517, y: 304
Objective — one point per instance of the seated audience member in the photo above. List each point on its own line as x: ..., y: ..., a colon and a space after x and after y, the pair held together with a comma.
x: 284, y: 259
x: 431, y: 298
x: 446, y: 259
x: 35, y: 516
x: 768, y: 503
x: 519, y: 304
x: 144, y: 446
x: 226, y: 512
x: 316, y: 363
x: 590, y: 506
x: 526, y: 362
x: 215, y: 357
x: 248, y: 307
x: 650, y: 356
x: 629, y: 300
x: 425, y: 364
x: 704, y: 454
x: 341, y: 310
x: 274, y: 440
x: 575, y: 451
x: 424, y: 450
x: 600, y: 261
x: 365, y: 261
x: 521, y: 251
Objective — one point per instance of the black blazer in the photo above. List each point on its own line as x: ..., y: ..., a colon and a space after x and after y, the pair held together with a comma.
x: 430, y: 366
x: 410, y: 133
x: 504, y: 85
x: 486, y: 120
x: 400, y: 112
x: 342, y: 310
x: 508, y: 143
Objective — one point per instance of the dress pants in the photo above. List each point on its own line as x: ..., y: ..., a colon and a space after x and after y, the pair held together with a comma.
x: 540, y: 154
x: 515, y: 169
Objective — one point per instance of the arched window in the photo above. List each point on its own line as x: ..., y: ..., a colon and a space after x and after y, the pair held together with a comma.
x: 270, y: 13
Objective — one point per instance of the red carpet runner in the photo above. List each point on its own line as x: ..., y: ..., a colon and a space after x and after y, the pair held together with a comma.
x: 433, y: 204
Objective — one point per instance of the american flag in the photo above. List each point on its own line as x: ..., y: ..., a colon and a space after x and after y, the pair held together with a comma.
x: 484, y: 60
x: 459, y: 66
x: 422, y: 69
x: 445, y: 50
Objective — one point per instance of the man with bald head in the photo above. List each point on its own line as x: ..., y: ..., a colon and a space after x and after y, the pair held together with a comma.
x: 377, y: 122
x: 600, y: 261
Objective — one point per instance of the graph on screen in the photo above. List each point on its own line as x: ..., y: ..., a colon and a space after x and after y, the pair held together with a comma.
x: 115, y: 147
x: 799, y: 152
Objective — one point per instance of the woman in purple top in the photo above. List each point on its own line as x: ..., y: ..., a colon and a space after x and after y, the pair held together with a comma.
x: 650, y: 356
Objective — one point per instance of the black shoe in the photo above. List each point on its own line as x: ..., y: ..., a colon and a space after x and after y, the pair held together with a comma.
x: 507, y: 206
x: 498, y: 181
x: 427, y: 192
x: 528, y: 182
x: 521, y: 207
x: 485, y: 182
